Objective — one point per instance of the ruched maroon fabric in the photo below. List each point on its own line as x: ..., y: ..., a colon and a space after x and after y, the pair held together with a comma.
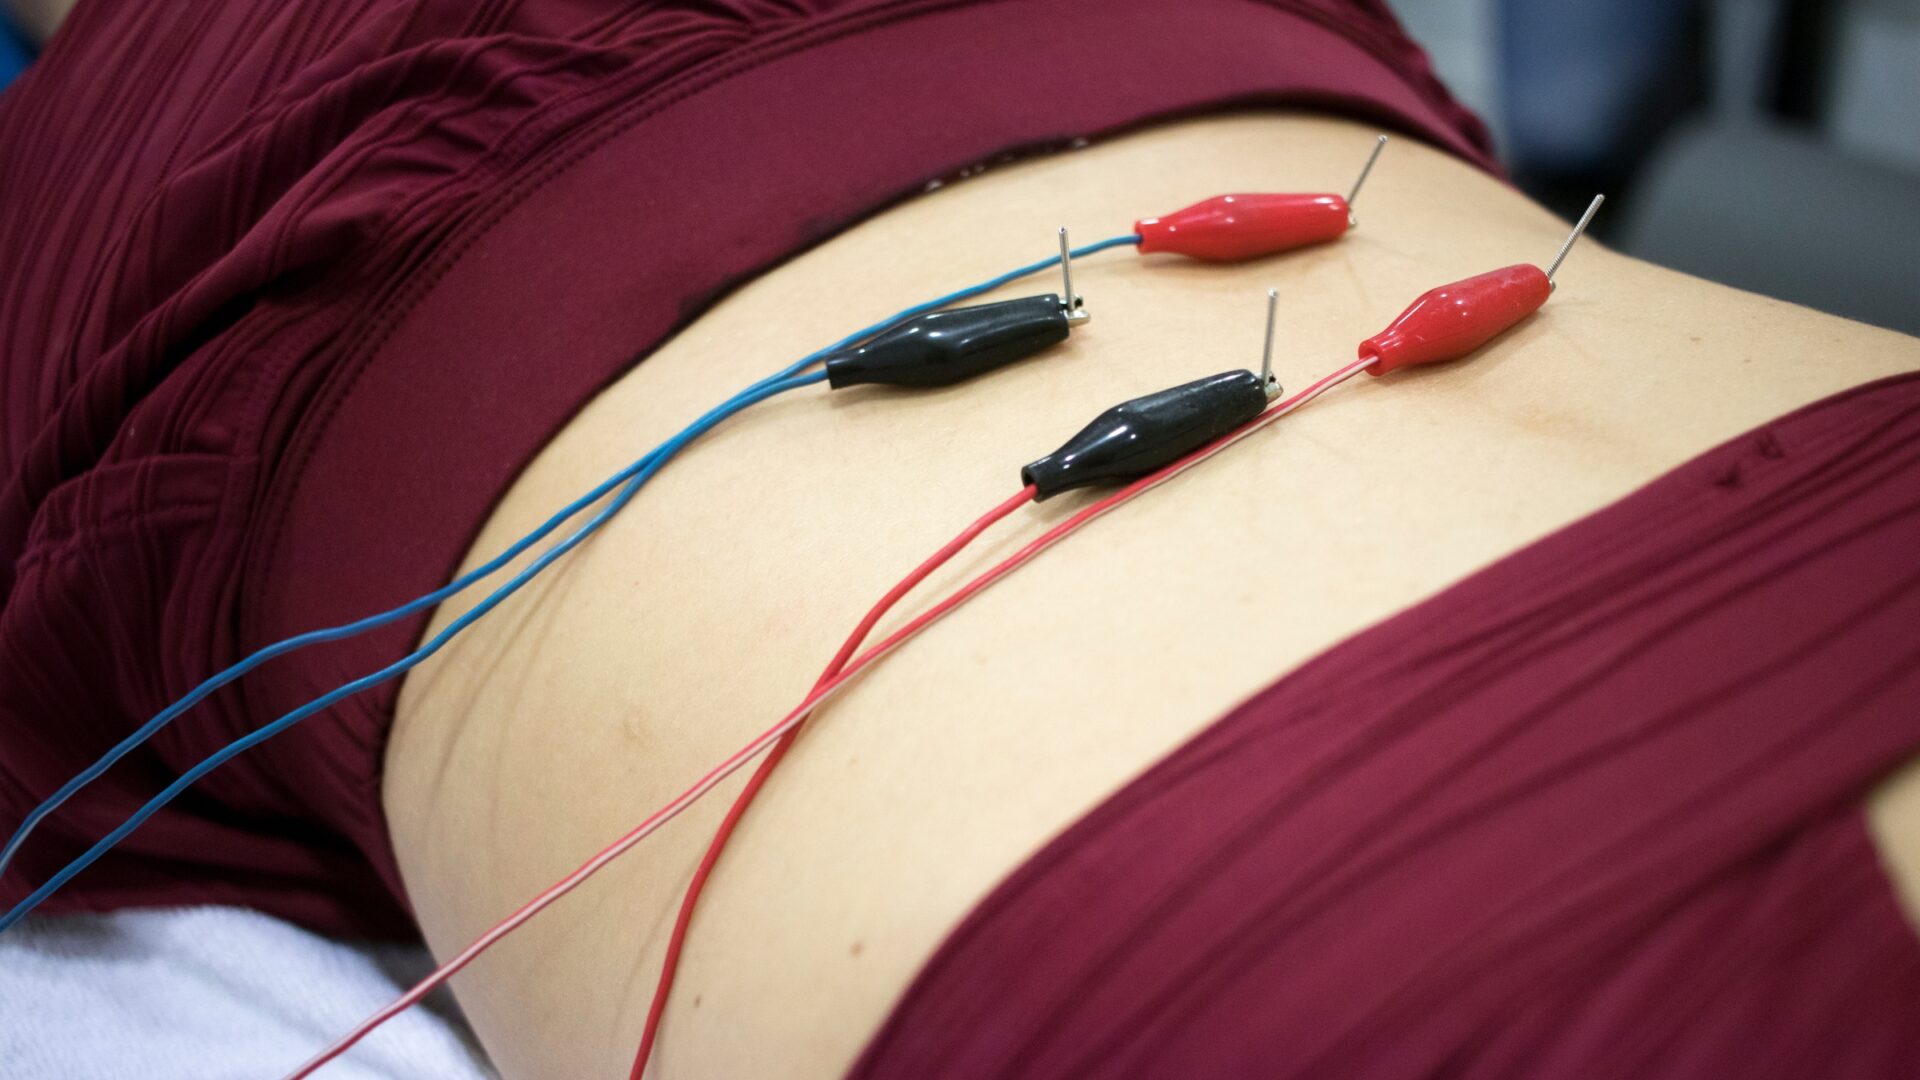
x: 292, y: 288
x: 1593, y: 812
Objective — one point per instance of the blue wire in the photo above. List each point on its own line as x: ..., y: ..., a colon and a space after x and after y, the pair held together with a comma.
x: 634, y: 476
x: 406, y: 663
x: 315, y: 637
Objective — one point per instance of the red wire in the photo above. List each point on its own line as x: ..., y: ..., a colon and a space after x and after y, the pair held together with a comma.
x: 839, y: 671
x: 670, y: 964
x: 820, y: 692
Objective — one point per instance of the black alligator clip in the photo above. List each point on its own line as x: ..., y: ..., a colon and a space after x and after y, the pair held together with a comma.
x: 941, y: 348
x: 1138, y: 437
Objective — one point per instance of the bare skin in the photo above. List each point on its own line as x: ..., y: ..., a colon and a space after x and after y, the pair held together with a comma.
x: 705, y: 611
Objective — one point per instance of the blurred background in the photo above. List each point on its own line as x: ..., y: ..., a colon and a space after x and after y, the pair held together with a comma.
x: 1770, y: 144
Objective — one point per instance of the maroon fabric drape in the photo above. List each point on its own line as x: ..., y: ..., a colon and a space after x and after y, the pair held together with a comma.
x: 292, y: 289
x: 1593, y: 812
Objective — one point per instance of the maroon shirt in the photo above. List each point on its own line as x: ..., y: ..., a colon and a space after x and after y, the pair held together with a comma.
x: 293, y: 289
x: 294, y: 292
x: 1593, y: 812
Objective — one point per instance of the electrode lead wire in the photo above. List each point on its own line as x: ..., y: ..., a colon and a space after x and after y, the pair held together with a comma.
x: 821, y: 692
x: 644, y: 466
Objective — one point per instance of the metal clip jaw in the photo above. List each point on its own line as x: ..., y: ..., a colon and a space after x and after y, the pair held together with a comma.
x: 1269, y: 384
x: 1572, y: 238
x: 1071, y: 303
x: 1379, y: 144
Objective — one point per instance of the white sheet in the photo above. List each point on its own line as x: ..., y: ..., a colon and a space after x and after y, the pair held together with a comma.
x: 212, y: 993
